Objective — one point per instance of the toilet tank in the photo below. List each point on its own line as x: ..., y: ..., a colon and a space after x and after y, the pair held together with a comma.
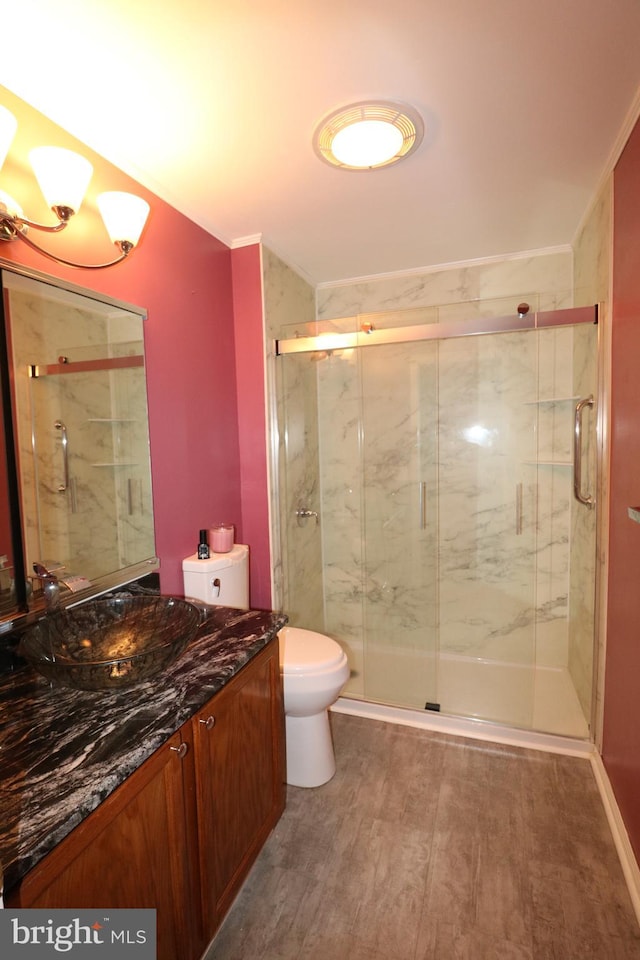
x: 222, y: 580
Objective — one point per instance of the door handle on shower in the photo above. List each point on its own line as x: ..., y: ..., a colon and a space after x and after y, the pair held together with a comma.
x: 423, y: 505
x: 581, y: 497
x: 64, y: 439
x: 518, y: 509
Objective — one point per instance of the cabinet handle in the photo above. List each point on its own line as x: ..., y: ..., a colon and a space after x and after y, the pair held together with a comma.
x: 181, y: 750
x: 209, y: 723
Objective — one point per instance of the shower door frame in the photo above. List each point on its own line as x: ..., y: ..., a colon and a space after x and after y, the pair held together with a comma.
x: 368, y: 335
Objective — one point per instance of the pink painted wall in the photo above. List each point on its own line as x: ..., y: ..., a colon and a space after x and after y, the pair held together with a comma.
x: 621, y: 744
x: 248, y: 310
x: 182, y: 276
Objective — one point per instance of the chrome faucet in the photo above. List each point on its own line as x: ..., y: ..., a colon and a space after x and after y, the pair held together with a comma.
x: 50, y: 586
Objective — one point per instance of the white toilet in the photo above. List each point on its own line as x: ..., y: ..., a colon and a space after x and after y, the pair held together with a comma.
x: 314, y: 670
x: 314, y: 667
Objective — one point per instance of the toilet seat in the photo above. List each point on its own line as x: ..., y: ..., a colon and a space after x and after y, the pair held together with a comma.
x: 308, y: 652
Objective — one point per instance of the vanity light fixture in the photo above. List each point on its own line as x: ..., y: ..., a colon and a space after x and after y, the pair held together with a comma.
x: 369, y: 135
x: 63, y: 177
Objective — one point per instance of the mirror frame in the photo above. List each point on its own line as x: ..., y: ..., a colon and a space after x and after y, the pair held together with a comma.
x: 26, y: 611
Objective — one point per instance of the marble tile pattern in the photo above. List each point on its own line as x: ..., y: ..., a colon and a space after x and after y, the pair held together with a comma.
x: 592, y: 251
x: 592, y: 278
x: 485, y: 424
x: 63, y: 751
x: 547, y: 276
x: 471, y: 418
x: 486, y: 583
x: 293, y: 444
x: 341, y: 491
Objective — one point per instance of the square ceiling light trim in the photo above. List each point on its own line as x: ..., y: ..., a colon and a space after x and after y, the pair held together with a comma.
x: 368, y: 135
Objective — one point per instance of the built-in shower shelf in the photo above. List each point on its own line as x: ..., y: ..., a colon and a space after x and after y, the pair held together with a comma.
x: 552, y: 400
x: 111, y: 420
x: 548, y: 463
x: 116, y: 463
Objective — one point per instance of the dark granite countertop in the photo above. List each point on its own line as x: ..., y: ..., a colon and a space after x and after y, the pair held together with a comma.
x: 63, y: 751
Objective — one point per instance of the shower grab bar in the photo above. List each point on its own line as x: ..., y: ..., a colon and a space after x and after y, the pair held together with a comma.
x: 581, y: 497
x: 64, y: 439
x: 423, y: 505
x: 518, y: 509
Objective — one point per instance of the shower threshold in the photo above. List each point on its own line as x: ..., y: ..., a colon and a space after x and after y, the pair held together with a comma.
x: 471, y: 727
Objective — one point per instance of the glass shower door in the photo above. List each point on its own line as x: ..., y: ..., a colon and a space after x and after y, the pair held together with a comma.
x: 449, y: 525
x: 487, y: 526
x: 399, y: 387
x: 452, y: 559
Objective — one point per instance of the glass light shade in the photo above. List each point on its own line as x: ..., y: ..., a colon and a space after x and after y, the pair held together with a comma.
x: 124, y: 215
x: 63, y: 176
x: 367, y: 143
x: 8, y: 126
x: 9, y: 205
x: 368, y: 135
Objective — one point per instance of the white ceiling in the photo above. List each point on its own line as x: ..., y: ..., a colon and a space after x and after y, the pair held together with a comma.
x: 212, y: 105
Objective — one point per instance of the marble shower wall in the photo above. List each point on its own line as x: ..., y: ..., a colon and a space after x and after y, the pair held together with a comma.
x: 485, y: 423
x: 592, y: 253
x: 544, y: 280
x: 487, y: 530
x: 380, y: 561
x: 554, y: 491
x: 497, y: 586
x: 296, y: 545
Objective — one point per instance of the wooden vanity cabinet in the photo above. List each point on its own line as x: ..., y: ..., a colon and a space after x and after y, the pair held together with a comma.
x: 132, y: 851
x: 239, y: 781
x: 181, y: 833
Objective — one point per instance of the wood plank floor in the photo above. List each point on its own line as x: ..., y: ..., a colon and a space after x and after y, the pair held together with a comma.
x: 430, y: 847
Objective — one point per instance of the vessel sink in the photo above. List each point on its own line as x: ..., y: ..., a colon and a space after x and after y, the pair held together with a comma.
x: 110, y: 642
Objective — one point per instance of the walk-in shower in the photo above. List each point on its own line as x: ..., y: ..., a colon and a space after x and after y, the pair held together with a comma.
x: 437, y: 486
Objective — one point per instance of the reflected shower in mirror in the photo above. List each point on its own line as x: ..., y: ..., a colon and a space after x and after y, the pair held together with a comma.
x: 82, y: 438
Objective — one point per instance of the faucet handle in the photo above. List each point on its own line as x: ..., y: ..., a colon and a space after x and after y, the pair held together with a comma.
x: 303, y: 513
x: 50, y: 586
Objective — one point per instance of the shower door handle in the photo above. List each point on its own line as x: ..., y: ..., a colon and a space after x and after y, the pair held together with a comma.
x: 423, y: 505
x: 518, y: 509
x: 64, y: 438
x: 581, y: 497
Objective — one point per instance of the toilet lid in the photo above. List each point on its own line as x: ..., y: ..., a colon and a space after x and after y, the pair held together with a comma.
x: 304, y: 651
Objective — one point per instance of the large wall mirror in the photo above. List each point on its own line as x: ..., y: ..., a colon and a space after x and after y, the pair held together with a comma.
x: 76, y: 493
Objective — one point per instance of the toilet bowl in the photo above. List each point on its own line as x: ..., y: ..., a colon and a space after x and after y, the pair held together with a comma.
x: 314, y: 670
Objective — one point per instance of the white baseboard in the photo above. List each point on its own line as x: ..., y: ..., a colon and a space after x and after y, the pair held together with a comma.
x: 626, y: 854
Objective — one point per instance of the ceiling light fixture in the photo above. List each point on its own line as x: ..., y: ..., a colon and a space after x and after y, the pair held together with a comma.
x: 369, y: 135
x: 63, y: 177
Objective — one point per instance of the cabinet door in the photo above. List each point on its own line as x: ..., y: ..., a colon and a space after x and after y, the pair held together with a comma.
x: 239, y: 778
x: 131, y: 852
